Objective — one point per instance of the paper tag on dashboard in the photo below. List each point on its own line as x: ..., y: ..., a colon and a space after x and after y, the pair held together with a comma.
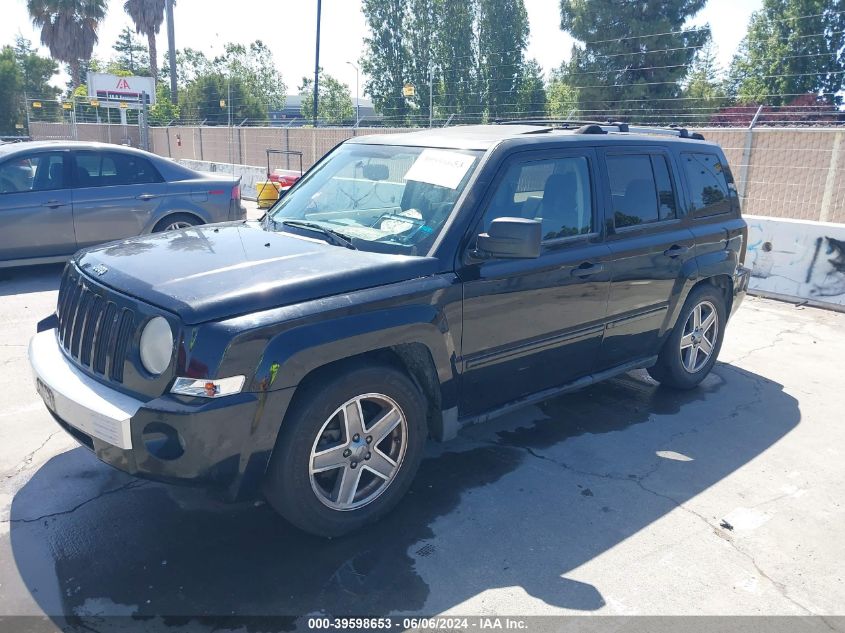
x: 440, y: 167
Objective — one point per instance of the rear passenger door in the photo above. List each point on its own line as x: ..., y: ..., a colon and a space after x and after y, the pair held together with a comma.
x: 713, y: 207
x: 116, y: 194
x: 534, y: 324
x: 651, y: 247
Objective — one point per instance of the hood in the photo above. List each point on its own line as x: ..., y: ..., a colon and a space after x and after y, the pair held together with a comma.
x: 213, y: 272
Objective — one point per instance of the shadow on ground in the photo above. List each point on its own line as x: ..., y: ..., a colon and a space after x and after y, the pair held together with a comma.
x: 518, y: 502
x: 24, y: 280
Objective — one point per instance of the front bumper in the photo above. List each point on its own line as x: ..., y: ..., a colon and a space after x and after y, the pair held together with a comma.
x: 223, y: 443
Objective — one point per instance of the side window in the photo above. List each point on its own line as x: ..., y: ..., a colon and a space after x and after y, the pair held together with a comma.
x: 641, y: 189
x: 108, y: 169
x: 36, y: 172
x: 707, y: 183
x: 555, y: 191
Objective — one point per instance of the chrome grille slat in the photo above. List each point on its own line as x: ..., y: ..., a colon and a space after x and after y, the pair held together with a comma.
x: 104, y: 336
x: 91, y: 322
x: 123, y: 333
x: 93, y: 330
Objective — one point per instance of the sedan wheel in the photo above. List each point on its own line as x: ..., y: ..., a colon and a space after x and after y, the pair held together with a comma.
x: 174, y: 226
x: 358, y: 452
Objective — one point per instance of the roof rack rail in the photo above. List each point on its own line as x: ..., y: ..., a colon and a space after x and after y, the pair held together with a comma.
x: 581, y: 126
x: 618, y: 126
x: 549, y: 122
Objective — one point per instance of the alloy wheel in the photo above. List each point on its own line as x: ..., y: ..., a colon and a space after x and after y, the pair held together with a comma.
x: 699, y: 336
x: 358, y: 452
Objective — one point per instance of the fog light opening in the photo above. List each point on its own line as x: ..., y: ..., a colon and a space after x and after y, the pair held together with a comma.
x: 163, y: 441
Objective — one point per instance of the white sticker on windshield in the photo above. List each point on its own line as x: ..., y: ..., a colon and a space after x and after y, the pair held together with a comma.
x: 440, y: 167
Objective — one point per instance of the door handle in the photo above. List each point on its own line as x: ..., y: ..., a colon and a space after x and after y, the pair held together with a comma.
x: 53, y: 204
x: 587, y: 270
x: 675, y: 251
x: 146, y: 196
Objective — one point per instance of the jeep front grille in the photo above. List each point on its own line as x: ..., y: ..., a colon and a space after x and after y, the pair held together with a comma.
x: 92, y: 328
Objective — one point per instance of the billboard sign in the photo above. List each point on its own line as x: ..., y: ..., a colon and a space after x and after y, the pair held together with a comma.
x: 113, y: 91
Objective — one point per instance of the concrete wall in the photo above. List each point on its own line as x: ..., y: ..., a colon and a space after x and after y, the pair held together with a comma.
x: 249, y: 175
x: 797, y: 260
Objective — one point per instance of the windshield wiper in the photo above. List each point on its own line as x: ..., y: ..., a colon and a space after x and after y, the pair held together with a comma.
x: 335, y: 237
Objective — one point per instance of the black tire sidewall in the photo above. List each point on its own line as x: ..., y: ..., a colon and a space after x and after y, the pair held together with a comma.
x: 288, y: 483
x: 669, y: 369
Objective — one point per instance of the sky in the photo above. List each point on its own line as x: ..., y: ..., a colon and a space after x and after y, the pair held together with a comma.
x: 288, y: 28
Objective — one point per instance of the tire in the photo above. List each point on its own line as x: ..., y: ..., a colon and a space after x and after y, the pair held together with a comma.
x: 175, y: 222
x: 314, y: 452
x: 685, y: 367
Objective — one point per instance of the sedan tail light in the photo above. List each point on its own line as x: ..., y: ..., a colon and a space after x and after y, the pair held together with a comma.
x: 236, y: 192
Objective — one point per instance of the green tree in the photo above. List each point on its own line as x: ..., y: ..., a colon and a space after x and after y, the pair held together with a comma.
x: 562, y: 97
x: 632, y: 56
x: 254, y: 66
x: 131, y: 54
x: 11, y: 84
x: 793, y: 47
x: 530, y: 93
x: 148, y: 16
x: 457, y: 52
x: 704, y: 91
x: 419, y: 38
x: 502, y: 38
x: 68, y: 28
x: 190, y: 64
x: 335, y: 103
x: 218, y: 100
x: 386, y: 59
x: 164, y: 111
x: 36, y: 71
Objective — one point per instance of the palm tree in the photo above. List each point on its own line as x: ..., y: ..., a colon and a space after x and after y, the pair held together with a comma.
x: 68, y: 28
x: 148, y: 16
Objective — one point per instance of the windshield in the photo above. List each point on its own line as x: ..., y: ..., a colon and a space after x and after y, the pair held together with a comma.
x: 383, y: 198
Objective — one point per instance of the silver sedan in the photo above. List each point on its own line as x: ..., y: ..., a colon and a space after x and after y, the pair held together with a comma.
x: 59, y: 197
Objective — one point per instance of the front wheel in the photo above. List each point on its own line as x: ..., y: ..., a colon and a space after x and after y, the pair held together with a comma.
x: 348, y: 450
x: 690, y: 352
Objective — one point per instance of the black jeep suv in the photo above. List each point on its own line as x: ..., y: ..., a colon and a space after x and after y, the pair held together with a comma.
x: 408, y: 285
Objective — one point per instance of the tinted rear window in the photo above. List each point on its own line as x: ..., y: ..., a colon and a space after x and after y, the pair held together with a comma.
x: 709, y: 191
x: 641, y: 189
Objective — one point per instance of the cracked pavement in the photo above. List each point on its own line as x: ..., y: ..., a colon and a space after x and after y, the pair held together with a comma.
x: 620, y: 499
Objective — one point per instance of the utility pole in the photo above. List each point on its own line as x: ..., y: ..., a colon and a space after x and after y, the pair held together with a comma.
x: 430, y: 94
x: 357, y: 96
x: 317, y: 65
x: 171, y: 43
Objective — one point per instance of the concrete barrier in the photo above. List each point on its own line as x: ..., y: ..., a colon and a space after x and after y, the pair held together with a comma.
x: 797, y: 260
x: 249, y: 174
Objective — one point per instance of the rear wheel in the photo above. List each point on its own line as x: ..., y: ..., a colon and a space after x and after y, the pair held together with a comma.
x: 348, y: 450
x: 691, y: 350
x: 176, y: 222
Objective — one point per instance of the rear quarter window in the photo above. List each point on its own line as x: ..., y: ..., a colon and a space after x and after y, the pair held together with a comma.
x: 710, y: 186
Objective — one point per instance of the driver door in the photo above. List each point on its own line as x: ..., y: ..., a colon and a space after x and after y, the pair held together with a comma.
x: 36, y: 211
x: 534, y: 324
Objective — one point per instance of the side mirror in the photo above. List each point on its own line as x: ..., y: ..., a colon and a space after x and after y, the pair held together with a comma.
x: 511, y: 238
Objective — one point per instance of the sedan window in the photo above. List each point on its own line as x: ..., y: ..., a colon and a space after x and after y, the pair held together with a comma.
x: 109, y: 169
x: 37, y: 172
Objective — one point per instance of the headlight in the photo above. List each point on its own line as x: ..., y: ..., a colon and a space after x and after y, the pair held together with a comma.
x: 208, y: 388
x: 156, y: 345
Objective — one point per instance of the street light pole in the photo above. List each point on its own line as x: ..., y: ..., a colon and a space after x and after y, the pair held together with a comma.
x: 357, y: 96
x: 317, y: 65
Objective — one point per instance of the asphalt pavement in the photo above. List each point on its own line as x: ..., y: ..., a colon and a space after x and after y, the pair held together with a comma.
x: 624, y: 498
